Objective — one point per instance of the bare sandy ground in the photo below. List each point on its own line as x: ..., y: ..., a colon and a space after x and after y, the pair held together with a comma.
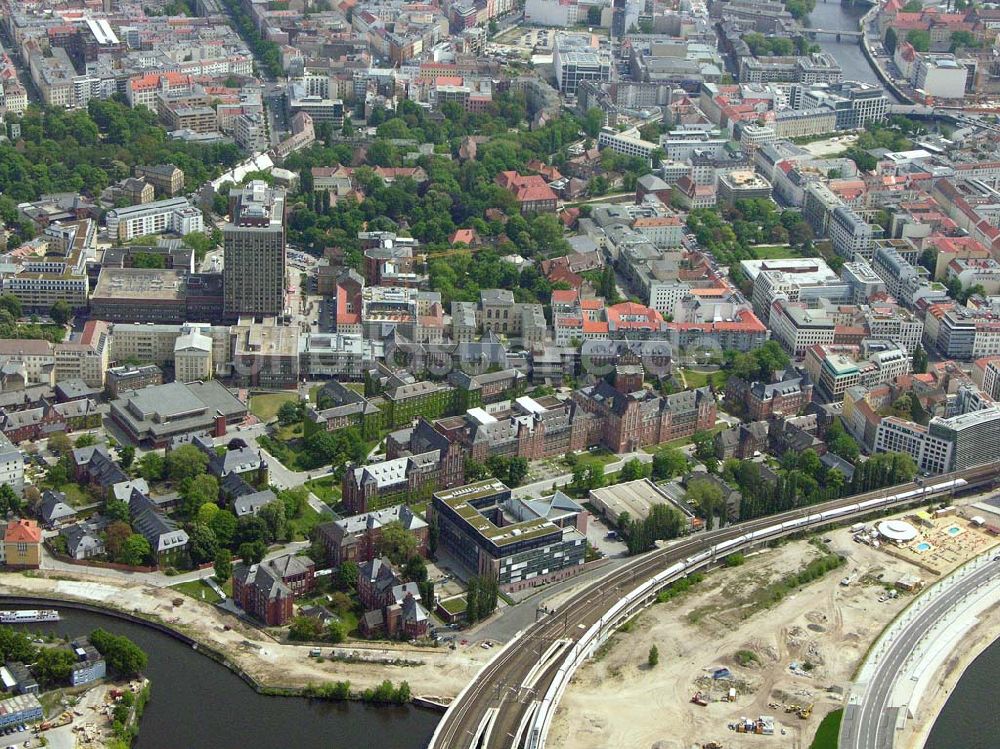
x: 429, y: 671
x: 617, y: 700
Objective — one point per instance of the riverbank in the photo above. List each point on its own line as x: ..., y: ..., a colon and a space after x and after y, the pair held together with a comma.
x: 945, y: 678
x: 268, y: 666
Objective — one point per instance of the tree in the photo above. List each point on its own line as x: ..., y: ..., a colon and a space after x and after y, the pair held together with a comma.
x: 415, y: 569
x: 919, y: 360
x: 223, y: 565
x: 594, y: 15
x: 920, y: 39
x: 704, y: 445
x: 290, y: 412
x: 186, y: 462
x: 203, y: 544
x: 632, y: 470
x: 53, y: 666
x: 252, y: 552
x: 308, y: 628
x: 60, y: 312
x: 223, y: 524
x: 135, y: 550
x: 341, y: 603
x: 151, y: 467
x: 206, y: 512
x: 115, y: 536
x: 59, y: 444
x: 347, y: 576
x: 9, y: 501
x: 198, y: 491
x: 396, y: 542
x: 116, y: 509
x: 668, y: 463
x: 273, y: 515
x: 16, y: 646
x: 125, y: 456
x: 593, y: 120
x: 85, y: 440
x: 124, y: 657
x: 654, y: 656
x: 891, y: 40
x: 250, y: 528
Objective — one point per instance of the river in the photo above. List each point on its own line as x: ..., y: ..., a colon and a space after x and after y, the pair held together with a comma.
x: 197, y: 703
x: 833, y: 15
x: 969, y: 718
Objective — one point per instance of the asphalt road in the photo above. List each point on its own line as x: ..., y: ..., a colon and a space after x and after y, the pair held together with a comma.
x: 500, y: 685
x: 872, y: 723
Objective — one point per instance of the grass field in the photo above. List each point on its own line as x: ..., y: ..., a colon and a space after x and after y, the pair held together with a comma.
x: 828, y: 731
x: 695, y: 379
x: 597, y: 457
x: 776, y: 252
x: 653, y: 449
x: 326, y: 488
x: 202, y: 592
x: 265, y: 405
x: 308, y: 519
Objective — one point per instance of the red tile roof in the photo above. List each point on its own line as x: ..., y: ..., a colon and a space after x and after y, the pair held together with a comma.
x: 23, y: 531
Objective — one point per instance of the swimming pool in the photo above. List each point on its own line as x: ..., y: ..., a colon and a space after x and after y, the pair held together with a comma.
x: 954, y: 530
x: 923, y: 546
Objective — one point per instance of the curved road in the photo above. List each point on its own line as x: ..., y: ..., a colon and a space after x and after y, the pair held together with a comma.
x: 872, y: 723
x: 498, y: 696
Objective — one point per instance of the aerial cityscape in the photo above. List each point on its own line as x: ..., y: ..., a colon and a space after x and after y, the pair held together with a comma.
x: 499, y: 374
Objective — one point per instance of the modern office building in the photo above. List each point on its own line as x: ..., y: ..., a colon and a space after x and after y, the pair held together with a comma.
x: 493, y: 534
x: 254, y: 246
x: 575, y: 60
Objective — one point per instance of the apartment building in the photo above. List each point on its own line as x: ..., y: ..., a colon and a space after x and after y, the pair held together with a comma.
x: 175, y: 215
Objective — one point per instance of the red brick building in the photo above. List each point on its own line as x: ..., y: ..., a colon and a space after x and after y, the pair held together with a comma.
x: 632, y: 421
x: 261, y: 594
x: 532, y: 192
x: 355, y: 538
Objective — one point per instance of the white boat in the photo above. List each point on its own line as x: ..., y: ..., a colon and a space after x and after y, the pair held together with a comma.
x: 28, y: 616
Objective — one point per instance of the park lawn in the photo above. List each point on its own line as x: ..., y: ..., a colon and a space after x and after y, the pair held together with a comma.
x: 696, y: 379
x: 587, y: 458
x: 75, y: 496
x: 265, y: 405
x: 829, y: 731
x: 776, y: 252
x: 301, y: 526
x: 326, y: 488
x: 357, y: 387
x: 195, y: 589
x: 289, y: 432
x: 681, y: 441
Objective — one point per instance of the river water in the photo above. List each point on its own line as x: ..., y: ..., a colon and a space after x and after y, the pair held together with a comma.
x: 970, y: 719
x: 833, y: 15
x: 197, y: 703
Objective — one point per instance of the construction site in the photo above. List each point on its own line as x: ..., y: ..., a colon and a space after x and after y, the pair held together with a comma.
x: 747, y: 656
